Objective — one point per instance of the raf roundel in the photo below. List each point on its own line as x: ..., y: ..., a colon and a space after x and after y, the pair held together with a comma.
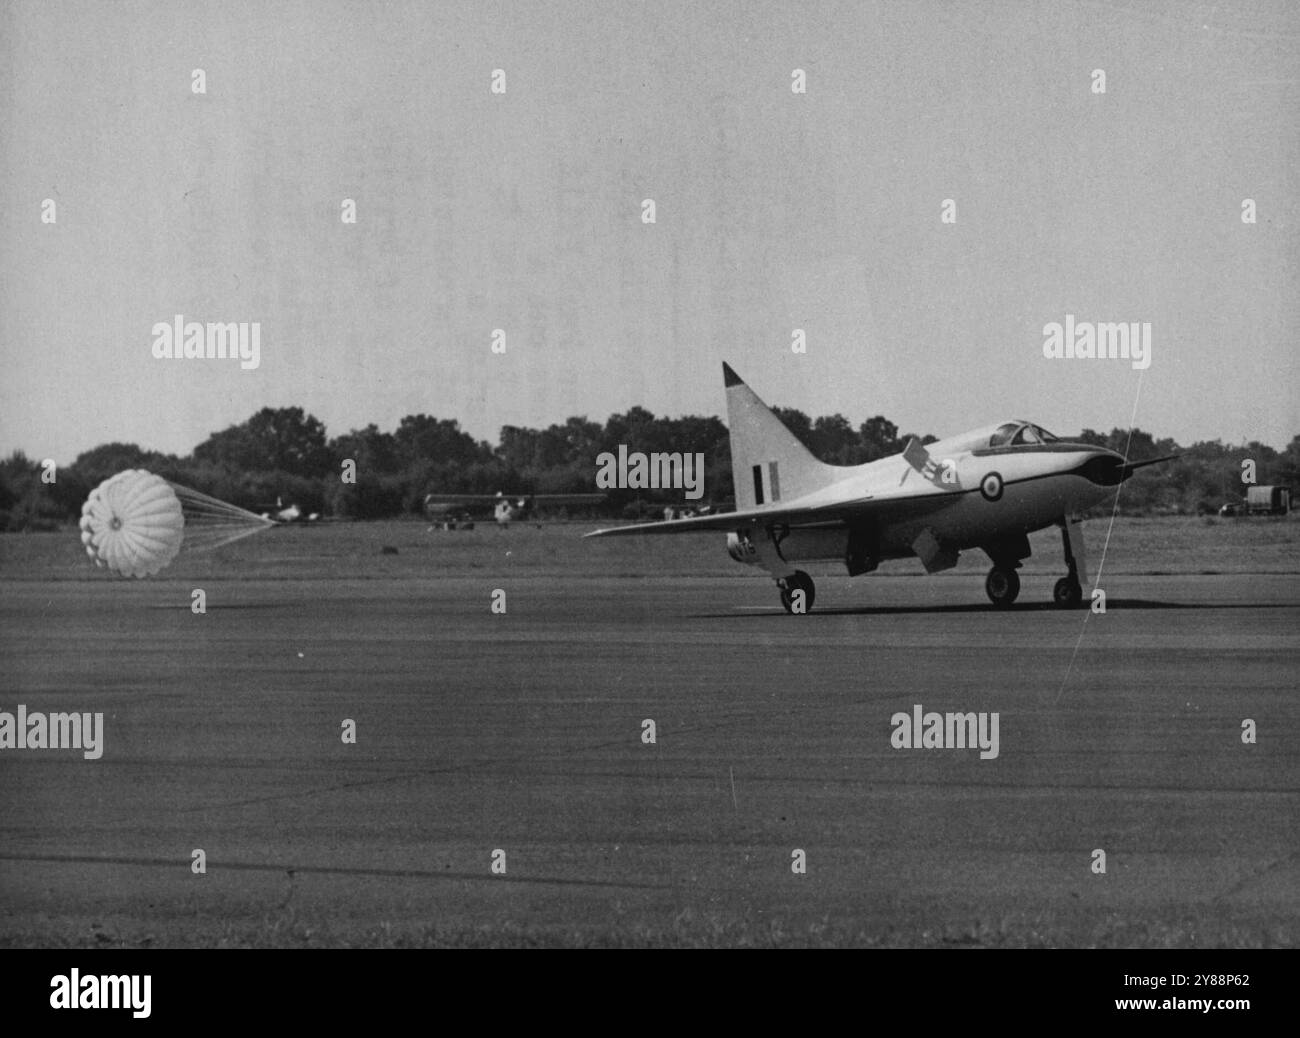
x: 991, y: 486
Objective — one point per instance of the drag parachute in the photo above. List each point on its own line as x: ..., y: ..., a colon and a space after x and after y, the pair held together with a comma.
x: 136, y: 523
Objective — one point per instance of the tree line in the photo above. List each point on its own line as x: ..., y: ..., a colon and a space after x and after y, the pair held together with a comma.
x: 286, y: 454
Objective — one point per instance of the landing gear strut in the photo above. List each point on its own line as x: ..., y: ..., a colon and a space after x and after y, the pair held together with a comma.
x: 1002, y: 585
x: 797, y: 592
x: 1068, y: 592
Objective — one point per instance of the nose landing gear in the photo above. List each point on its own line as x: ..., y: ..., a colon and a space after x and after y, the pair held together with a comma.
x: 1068, y: 592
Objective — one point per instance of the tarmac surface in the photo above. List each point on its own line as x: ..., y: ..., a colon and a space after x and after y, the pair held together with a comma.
x: 524, y: 733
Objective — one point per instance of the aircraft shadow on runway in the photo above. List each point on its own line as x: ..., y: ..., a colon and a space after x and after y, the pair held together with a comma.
x: 977, y: 607
x: 291, y: 871
x: 224, y: 606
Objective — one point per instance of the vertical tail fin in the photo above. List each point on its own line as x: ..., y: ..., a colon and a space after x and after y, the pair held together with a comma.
x: 768, y: 463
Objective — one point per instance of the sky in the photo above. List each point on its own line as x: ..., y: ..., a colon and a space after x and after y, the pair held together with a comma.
x: 522, y: 211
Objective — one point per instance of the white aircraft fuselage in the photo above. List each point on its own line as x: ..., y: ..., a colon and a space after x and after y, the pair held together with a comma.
x: 1040, y: 483
x: 988, y: 488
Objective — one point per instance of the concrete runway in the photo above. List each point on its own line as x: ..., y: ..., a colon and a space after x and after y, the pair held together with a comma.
x: 522, y: 732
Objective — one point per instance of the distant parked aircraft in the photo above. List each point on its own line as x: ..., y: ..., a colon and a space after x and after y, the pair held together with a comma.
x: 284, y: 513
x: 462, y: 509
x: 677, y: 512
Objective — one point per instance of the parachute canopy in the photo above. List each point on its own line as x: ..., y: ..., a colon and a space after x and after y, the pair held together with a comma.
x: 135, y: 523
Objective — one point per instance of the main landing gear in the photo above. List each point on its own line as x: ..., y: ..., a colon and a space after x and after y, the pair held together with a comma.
x: 797, y: 592
x: 1002, y: 585
x: 796, y: 587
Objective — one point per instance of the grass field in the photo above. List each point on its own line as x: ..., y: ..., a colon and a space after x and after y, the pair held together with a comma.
x: 355, y: 551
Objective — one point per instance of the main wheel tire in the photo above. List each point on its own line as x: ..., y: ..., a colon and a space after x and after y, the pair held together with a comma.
x: 797, y: 581
x: 1067, y: 593
x: 1002, y: 585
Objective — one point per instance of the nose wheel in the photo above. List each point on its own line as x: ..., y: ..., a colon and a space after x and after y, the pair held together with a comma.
x: 1002, y: 585
x: 797, y: 592
x: 1068, y: 592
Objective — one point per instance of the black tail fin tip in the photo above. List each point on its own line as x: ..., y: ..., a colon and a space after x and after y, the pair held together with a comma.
x: 729, y: 377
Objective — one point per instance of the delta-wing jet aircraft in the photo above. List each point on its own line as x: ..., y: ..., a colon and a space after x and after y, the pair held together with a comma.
x: 988, y: 489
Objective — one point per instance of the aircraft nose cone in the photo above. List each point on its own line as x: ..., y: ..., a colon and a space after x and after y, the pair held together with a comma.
x: 1103, y: 467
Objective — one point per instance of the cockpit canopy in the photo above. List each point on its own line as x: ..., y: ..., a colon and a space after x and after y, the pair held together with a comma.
x: 1017, y: 433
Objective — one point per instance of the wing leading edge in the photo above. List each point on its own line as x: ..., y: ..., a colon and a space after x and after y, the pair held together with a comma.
x: 794, y: 515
